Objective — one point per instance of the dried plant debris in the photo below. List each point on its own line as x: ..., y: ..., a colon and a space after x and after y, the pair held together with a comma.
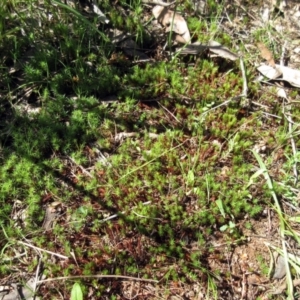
x: 194, y: 48
x: 266, y: 54
x: 130, y: 48
x: 173, y: 22
x: 213, y: 46
x: 16, y: 291
x: 281, y: 73
x: 221, y: 50
x: 269, y: 72
x: 126, y: 43
x: 281, y: 93
x: 157, y: 2
x: 100, y: 14
x: 280, y: 269
x: 117, y: 36
x: 52, y: 212
x: 119, y: 137
x: 90, y: 7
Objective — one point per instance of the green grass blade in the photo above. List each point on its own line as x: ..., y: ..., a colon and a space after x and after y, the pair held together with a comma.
x: 263, y: 170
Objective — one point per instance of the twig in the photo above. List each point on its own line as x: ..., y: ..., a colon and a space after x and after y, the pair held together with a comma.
x: 283, y: 53
x: 157, y: 2
x: 43, y: 250
x: 98, y: 276
x: 81, y: 167
x: 169, y: 112
x: 220, y: 105
x: 146, y: 216
x: 291, y: 205
x: 289, y: 114
x: 269, y: 221
x: 283, y: 286
x: 244, y: 286
x: 245, y: 85
x: 271, y: 115
x: 259, y: 104
x: 291, y: 188
x: 122, y: 213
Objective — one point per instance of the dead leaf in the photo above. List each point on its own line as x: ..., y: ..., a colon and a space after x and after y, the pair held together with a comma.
x: 213, y: 46
x: 266, y: 54
x: 172, y: 22
x: 269, y: 72
x: 254, y: 279
x: 290, y: 75
x: 221, y: 50
x: 281, y: 93
x: 283, y: 286
x: 194, y: 48
x: 280, y: 269
x: 279, y: 72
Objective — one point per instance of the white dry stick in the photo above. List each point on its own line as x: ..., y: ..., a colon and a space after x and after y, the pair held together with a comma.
x: 244, y: 287
x: 283, y: 53
x: 43, y: 250
x: 121, y: 136
x: 220, y: 105
x: 246, y: 101
x: 81, y: 167
x: 122, y: 213
x: 98, y: 276
x: 157, y: 2
x: 37, y: 275
x: 101, y: 15
x: 74, y: 257
x: 147, y: 217
x: 271, y: 115
x: 169, y: 112
x: 291, y: 188
x: 245, y: 85
x: 102, y: 158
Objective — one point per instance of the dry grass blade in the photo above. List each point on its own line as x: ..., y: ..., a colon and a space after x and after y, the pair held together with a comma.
x: 266, y: 54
